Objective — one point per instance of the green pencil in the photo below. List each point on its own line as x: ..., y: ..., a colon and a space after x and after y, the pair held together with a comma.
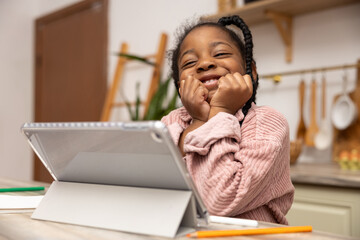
x: 22, y: 189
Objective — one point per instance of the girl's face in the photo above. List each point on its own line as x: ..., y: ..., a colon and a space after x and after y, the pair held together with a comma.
x: 208, y: 53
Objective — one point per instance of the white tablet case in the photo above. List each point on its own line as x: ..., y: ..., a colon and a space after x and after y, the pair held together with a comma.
x: 120, y: 176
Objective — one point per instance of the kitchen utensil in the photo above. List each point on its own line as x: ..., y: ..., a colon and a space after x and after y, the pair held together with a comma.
x: 313, y: 127
x: 324, y: 137
x: 344, y: 111
x: 348, y: 138
x: 295, y: 150
x: 301, y: 129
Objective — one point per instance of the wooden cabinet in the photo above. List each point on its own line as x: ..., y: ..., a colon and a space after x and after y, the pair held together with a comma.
x: 326, y: 208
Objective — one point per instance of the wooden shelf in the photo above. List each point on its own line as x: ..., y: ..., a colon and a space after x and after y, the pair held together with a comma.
x: 255, y: 12
x: 280, y: 12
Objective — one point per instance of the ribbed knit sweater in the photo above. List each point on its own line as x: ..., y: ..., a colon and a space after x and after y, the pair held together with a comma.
x: 239, y: 171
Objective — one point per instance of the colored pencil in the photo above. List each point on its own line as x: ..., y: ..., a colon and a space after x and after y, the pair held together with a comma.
x: 22, y: 189
x: 240, y: 232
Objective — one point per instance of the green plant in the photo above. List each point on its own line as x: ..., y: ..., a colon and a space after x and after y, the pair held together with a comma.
x: 159, y: 106
x: 134, y: 57
x: 134, y: 114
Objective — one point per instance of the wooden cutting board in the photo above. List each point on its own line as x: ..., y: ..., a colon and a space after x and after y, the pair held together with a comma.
x: 349, y: 138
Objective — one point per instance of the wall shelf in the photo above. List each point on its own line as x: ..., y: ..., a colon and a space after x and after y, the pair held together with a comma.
x: 280, y: 12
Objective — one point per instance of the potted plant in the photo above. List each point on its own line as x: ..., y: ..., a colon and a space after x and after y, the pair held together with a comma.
x: 160, y: 104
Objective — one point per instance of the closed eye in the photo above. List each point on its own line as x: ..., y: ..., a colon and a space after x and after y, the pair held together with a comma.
x: 222, y: 54
x: 187, y: 64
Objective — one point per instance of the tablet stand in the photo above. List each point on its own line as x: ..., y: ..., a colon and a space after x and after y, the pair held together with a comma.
x: 161, y: 212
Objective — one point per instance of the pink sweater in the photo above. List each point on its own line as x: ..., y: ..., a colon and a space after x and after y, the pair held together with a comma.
x: 239, y: 171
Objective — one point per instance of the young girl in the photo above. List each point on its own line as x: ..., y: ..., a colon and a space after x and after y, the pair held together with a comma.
x: 236, y: 152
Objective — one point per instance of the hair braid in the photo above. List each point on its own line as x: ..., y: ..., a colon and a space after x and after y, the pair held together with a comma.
x: 237, y: 21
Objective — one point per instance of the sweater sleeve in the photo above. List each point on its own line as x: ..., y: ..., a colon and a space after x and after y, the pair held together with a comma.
x: 175, y: 124
x: 222, y: 125
x: 238, y: 170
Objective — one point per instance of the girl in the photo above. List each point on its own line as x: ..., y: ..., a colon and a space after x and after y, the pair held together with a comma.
x: 236, y: 152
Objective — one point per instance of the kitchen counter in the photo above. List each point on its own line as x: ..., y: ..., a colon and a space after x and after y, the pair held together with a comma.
x: 328, y: 174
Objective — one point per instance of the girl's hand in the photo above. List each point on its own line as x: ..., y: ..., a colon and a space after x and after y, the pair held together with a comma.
x: 234, y: 90
x: 193, y: 96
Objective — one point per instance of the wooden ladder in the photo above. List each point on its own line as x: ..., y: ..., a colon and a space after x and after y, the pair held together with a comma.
x: 159, y: 57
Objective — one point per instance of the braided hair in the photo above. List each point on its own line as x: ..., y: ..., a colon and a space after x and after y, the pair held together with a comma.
x: 245, y: 48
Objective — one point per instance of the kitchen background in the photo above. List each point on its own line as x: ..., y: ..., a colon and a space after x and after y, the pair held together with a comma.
x: 323, y: 38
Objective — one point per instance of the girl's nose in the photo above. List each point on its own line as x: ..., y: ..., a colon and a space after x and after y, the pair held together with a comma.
x: 206, y: 65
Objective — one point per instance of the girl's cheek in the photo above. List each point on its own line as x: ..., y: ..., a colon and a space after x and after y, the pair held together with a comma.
x: 182, y: 77
x: 185, y: 74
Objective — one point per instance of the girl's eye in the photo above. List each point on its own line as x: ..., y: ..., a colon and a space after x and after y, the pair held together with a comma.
x: 187, y: 64
x: 221, y: 54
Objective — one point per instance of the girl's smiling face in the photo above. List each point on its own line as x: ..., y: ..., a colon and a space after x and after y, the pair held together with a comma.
x: 208, y: 53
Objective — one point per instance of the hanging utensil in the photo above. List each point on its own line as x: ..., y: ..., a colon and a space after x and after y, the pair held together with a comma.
x: 313, y: 127
x: 344, y: 111
x: 324, y: 137
x: 301, y: 129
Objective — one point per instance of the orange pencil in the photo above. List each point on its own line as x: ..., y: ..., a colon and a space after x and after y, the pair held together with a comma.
x: 257, y: 231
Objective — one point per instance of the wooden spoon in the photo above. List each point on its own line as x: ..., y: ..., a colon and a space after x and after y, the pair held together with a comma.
x: 301, y: 130
x: 324, y: 137
x: 313, y: 127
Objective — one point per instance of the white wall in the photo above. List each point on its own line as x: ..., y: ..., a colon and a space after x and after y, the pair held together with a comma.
x: 16, y: 86
x: 318, y: 42
x: 17, y: 81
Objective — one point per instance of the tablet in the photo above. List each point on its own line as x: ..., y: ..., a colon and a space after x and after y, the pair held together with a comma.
x: 138, y: 154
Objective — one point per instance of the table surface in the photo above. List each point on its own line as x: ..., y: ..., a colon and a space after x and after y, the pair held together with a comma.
x: 328, y: 174
x: 20, y: 225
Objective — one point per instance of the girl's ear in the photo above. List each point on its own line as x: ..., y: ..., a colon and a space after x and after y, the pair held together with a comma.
x: 253, y: 70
